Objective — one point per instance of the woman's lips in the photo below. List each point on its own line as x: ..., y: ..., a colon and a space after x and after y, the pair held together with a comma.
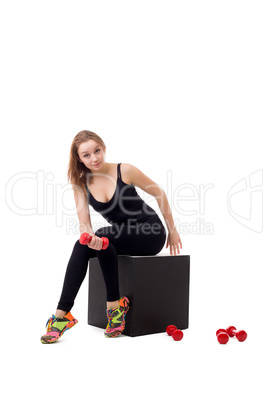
x: 97, y: 164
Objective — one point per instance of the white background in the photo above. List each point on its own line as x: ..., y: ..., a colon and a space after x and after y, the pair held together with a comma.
x: 178, y: 89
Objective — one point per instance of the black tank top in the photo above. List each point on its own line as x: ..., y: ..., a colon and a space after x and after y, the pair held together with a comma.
x: 125, y: 206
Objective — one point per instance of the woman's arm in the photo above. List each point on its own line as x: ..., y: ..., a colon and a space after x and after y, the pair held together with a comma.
x: 83, y: 212
x: 139, y: 179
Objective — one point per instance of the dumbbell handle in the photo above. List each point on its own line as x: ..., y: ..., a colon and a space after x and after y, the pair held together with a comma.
x: 85, y: 238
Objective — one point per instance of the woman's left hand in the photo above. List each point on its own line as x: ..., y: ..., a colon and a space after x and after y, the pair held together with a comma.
x: 174, y: 241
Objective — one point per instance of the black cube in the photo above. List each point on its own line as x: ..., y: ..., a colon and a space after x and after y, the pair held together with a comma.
x: 157, y: 287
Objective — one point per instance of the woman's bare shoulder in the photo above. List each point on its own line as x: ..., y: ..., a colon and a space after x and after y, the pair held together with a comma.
x: 126, y: 172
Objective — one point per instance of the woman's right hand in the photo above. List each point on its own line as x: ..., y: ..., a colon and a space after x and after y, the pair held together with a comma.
x: 95, y: 242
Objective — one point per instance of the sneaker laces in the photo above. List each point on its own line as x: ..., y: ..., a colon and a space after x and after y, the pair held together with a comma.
x: 110, y: 316
x: 51, y: 321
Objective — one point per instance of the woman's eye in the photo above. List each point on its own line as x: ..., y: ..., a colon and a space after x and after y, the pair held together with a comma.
x: 97, y: 150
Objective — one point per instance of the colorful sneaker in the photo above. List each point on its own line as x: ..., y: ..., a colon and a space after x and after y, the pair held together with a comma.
x: 116, y: 318
x: 56, y: 327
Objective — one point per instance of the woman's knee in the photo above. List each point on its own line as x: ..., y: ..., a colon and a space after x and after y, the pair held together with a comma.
x: 105, y: 232
x: 84, y: 250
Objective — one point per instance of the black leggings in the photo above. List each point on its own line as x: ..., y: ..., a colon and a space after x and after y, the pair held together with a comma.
x: 146, y: 238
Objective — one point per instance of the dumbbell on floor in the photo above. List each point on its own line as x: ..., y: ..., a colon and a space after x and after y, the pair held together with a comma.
x: 241, y: 336
x: 222, y: 336
x: 176, y: 334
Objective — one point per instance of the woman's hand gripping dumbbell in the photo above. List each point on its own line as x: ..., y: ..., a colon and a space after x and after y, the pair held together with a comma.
x: 85, y: 238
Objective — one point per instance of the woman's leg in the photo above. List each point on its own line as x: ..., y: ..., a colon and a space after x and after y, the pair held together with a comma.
x: 109, y: 265
x: 74, y: 276
x: 76, y: 272
x: 146, y: 238
x: 140, y: 239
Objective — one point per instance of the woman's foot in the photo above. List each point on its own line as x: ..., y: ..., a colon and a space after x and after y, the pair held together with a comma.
x: 56, y: 326
x: 116, y: 318
x: 114, y: 304
x: 60, y: 313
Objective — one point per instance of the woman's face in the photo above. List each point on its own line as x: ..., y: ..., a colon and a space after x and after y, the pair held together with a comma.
x: 92, y: 155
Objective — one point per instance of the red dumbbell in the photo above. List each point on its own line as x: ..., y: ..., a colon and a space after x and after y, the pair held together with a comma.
x: 241, y: 336
x: 170, y: 329
x: 85, y: 238
x: 222, y: 336
x: 177, y: 334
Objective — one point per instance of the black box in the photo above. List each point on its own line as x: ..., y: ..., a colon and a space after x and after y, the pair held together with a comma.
x: 157, y: 287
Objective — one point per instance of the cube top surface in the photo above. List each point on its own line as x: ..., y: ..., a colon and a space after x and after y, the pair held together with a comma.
x: 150, y: 256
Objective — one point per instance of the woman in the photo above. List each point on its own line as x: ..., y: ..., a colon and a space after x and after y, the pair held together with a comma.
x: 135, y: 228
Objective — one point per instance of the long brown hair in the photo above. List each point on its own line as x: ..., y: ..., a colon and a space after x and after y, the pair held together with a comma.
x: 77, y: 171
